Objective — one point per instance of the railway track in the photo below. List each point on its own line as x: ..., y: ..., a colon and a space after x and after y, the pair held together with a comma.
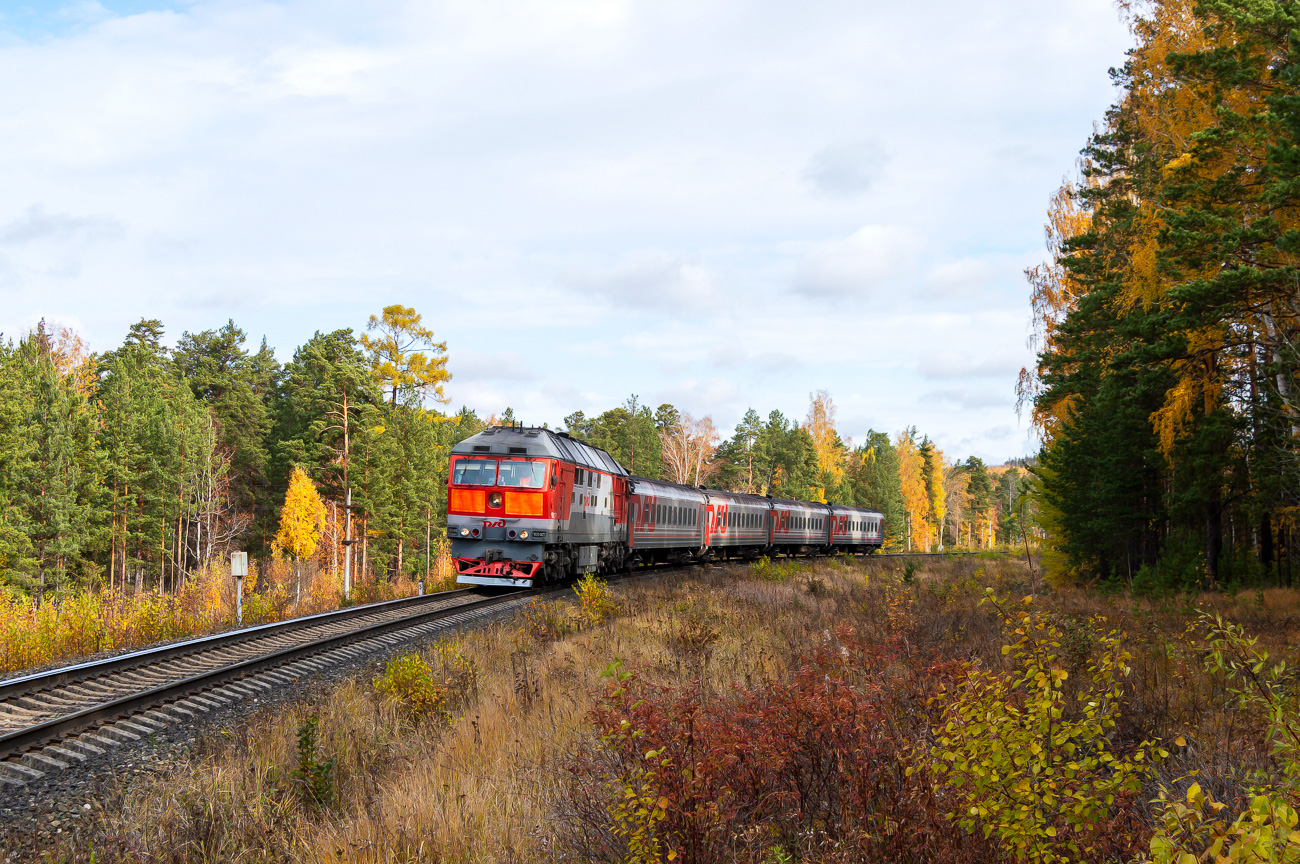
x: 60, y: 717
x: 960, y: 554
x: 57, y: 718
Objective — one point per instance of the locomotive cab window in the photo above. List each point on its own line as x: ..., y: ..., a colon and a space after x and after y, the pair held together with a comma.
x: 475, y: 472
x: 522, y: 474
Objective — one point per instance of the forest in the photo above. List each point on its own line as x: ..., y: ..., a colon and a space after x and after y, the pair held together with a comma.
x: 1165, y: 317
x: 132, y: 470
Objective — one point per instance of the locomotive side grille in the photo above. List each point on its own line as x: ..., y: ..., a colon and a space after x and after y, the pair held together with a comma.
x: 482, y: 448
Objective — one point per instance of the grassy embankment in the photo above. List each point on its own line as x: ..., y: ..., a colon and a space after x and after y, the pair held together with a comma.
x: 779, y: 706
x: 74, y: 624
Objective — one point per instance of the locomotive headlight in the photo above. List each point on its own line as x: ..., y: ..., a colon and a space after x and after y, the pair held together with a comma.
x: 523, y: 535
x: 464, y: 532
x: 495, y: 499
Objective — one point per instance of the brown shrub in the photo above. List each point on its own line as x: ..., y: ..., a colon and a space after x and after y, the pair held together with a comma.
x: 811, y: 768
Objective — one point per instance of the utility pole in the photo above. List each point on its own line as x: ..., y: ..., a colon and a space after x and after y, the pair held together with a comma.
x: 347, y: 544
x: 428, y: 550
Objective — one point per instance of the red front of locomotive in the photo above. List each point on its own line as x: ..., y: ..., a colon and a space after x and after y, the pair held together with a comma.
x: 501, y: 512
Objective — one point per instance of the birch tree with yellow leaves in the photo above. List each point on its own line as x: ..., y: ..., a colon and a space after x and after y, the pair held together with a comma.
x: 302, y: 518
x: 934, y: 470
x: 830, y: 449
x: 916, y: 500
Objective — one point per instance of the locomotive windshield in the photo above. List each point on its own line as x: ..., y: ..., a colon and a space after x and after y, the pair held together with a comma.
x: 475, y: 472
x: 529, y: 474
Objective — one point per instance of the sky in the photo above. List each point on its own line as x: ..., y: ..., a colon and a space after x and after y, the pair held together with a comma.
x: 713, y: 203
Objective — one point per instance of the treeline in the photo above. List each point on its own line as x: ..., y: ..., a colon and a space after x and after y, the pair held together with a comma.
x: 929, y: 502
x: 1165, y: 388
x: 141, y: 465
x: 136, y: 468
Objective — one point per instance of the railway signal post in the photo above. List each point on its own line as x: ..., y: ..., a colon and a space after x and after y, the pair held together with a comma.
x: 239, y: 569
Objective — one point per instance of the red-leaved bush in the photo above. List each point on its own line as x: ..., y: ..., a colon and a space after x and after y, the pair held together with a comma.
x: 812, y: 768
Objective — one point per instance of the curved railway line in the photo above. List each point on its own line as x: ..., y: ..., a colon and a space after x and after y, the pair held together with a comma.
x: 53, y: 719
x: 57, y: 718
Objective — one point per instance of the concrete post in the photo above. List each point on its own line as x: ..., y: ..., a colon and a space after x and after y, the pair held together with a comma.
x: 239, y: 569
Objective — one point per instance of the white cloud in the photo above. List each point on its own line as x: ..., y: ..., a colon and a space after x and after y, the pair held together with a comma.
x: 971, y: 399
x: 659, y: 188
x: 863, y: 264
x: 953, y: 364
x: 497, y: 366
x: 36, y: 224
x: 650, y: 281
x: 849, y: 169
x: 961, y: 278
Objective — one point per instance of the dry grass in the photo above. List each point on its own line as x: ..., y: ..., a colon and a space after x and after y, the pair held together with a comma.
x: 492, y: 784
x: 76, y: 624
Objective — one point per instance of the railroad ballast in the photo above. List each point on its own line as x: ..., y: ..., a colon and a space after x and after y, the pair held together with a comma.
x: 528, y: 506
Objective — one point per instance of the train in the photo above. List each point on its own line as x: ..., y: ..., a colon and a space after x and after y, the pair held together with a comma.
x: 533, y: 506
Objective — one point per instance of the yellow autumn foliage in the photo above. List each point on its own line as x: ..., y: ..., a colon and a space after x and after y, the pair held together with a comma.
x: 302, y: 518
x: 911, y: 475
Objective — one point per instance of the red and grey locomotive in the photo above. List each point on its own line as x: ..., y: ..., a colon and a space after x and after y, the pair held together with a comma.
x: 529, y: 506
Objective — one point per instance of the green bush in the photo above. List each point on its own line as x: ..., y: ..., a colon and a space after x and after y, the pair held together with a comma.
x: 409, y: 680
x: 1195, y: 827
x: 770, y: 571
x: 314, y: 777
x: 1025, y: 762
x: 595, y: 599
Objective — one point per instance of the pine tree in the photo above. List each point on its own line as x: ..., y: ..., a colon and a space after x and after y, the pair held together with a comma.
x: 238, y: 388
x: 874, y: 481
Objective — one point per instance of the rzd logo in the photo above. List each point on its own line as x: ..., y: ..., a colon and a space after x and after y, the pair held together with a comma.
x: 494, y: 523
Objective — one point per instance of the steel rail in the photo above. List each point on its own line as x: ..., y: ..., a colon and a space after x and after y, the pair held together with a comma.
x: 39, y: 681
x: 962, y: 553
x: 50, y: 731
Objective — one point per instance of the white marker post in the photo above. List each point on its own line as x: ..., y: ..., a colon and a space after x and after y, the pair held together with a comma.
x: 239, y: 569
